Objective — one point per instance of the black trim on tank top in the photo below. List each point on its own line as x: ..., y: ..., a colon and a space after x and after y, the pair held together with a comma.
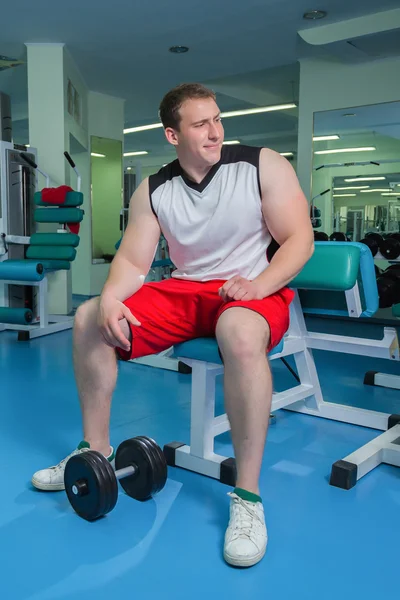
x: 229, y: 155
x: 158, y: 179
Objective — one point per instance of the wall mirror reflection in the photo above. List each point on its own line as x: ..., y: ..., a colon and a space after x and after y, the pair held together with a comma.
x: 356, y: 172
x: 106, y: 196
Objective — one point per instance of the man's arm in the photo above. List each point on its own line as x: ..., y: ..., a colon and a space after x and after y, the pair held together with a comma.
x: 286, y: 213
x: 133, y: 259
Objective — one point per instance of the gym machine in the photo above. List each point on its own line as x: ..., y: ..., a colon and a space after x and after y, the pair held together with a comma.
x: 27, y: 258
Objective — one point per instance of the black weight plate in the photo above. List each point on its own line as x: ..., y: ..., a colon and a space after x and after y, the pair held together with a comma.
x: 372, y: 244
x: 374, y: 236
x: 158, y: 461
x: 134, y: 451
x: 337, y: 236
x: 161, y: 472
x: 321, y: 236
x: 96, y: 472
x: 147, y: 443
x: 390, y: 248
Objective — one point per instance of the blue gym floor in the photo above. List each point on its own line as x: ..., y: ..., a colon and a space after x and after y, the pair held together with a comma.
x: 324, y: 543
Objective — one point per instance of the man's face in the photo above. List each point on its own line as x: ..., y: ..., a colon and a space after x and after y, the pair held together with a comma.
x: 200, y: 136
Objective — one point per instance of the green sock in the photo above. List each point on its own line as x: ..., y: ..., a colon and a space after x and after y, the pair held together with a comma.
x: 245, y: 495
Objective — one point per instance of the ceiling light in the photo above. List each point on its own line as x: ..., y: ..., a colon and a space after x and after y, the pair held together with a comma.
x: 286, y: 153
x: 129, y: 168
x: 179, y: 49
x: 232, y: 113
x: 340, y: 150
x: 372, y: 191
x: 351, y: 187
x: 349, y: 115
x: 230, y: 142
x: 143, y: 128
x: 314, y: 15
x: 343, y: 195
x: 364, y: 179
x: 391, y: 194
x: 97, y: 155
x: 135, y: 153
x: 325, y: 138
x: 255, y: 111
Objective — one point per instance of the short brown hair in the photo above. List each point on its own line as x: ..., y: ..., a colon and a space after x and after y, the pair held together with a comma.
x: 173, y: 100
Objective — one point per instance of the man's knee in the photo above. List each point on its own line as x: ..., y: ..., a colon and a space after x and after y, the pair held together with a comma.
x: 242, y: 335
x: 86, y: 319
x: 86, y: 315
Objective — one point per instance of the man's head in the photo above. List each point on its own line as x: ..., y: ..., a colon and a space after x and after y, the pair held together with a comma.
x: 192, y: 123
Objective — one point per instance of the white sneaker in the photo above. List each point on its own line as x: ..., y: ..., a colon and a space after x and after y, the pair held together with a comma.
x: 246, y: 537
x: 52, y: 479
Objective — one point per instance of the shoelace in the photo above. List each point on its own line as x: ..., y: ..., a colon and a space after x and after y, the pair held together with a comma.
x: 66, y: 459
x: 245, y: 518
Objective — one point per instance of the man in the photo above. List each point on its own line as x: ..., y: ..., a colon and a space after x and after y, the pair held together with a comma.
x: 219, y: 209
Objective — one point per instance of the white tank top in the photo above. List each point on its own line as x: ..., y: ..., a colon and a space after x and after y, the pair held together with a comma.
x: 215, y: 229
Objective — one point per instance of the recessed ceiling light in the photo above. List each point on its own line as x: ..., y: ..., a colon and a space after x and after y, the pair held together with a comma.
x: 325, y: 138
x: 354, y: 179
x: 314, y: 15
x: 135, y: 153
x: 97, y: 155
x: 179, y: 49
x: 340, y: 150
x: 344, y: 195
x: 231, y: 142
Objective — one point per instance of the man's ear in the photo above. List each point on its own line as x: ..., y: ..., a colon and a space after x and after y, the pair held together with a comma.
x: 171, y: 136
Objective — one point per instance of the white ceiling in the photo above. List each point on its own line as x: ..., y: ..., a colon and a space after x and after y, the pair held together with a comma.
x: 247, y: 51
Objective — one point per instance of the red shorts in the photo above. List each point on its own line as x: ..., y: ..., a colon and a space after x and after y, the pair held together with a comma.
x: 175, y: 310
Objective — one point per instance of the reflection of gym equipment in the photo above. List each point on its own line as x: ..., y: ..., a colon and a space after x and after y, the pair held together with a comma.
x: 387, y: 245
x: 388, y: 282
x: 91, y: 482
x: 28, y: 259
x: 359, y: 163
x: 315, y: 213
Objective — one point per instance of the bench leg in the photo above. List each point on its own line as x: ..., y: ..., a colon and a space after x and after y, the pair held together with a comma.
x: 383, y: 449
x: 200, y: 456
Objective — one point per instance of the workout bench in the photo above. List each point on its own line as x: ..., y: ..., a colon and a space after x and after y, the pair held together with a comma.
x: 345, y: 269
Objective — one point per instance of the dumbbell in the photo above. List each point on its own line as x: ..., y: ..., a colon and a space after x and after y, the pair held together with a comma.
x: 321, y: 236
x: 390, y: 247
x: 389, y: 287
x: 373, y: 241
x: 91, y: 482
x: 338, y: 236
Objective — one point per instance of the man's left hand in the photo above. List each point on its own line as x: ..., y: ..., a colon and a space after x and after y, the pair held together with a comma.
x: 239, y: 288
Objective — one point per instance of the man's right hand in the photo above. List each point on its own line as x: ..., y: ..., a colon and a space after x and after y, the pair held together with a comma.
x: 111, y: 312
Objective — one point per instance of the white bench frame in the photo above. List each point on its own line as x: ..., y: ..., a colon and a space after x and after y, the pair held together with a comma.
x: 305, y: 398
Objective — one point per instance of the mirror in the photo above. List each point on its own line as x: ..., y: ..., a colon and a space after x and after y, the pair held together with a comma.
x: 356, y: 171
x: 106, y: 164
